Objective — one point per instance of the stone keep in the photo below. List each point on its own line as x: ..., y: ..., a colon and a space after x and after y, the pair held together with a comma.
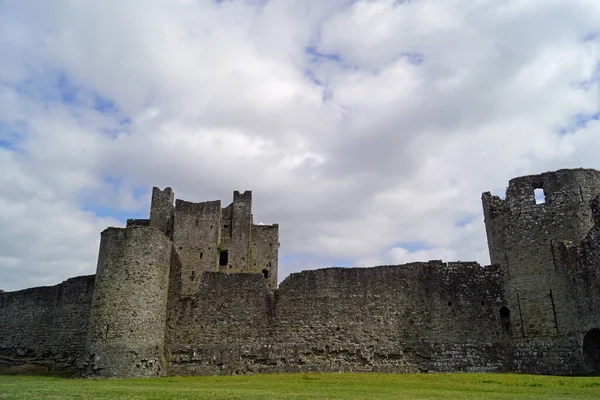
x: 193, y: 290
x: 129, y: 305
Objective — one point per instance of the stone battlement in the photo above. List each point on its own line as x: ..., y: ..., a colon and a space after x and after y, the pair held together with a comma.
x: 193, y: 290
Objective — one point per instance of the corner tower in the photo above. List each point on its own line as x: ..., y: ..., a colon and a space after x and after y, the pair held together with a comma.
x: 129, y: 304
x: 523, y: 238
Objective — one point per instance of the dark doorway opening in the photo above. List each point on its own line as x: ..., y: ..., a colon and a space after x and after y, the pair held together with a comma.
x: 265, y: 273
x: 505, y: 319
x: 591, y: 351
x: 223, y: 258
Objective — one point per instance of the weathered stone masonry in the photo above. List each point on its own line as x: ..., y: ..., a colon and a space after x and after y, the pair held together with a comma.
x: 193, y: 290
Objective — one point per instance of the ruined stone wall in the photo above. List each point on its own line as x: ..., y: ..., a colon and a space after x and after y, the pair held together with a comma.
x: 241, y: 225
x: 46, y: 325
x: 544, y: 291
x: 264, y: 252
x: 523, y: 238
x: 161, y: 210
x: 418, y: 317
x: 241, y: 214
x: 422, y: 316
x: 129, y: 306
x: 236, y: 225
x: 222, y: 328
x: 137, y: 222
x: 163, y: 304
x: 559, y: 355
x: 579, y: 264
x: 196, y: 237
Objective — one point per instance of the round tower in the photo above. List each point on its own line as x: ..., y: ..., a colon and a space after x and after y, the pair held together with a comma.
x: 524, y: 231
x: 128, y: 312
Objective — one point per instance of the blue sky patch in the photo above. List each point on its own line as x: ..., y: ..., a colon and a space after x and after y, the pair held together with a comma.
x: 71, y: 94
x: 411, y: 247
x: 316, y: 57
x: 111, y: 212
x: 414, y: 58
x: 103, y: 210
x: 11, y: 134
x: 319, y: 57
x: 579, y: 121
x: 464, y: 220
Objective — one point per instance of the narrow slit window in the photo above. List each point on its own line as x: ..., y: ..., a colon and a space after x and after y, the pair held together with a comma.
x: 223, y: 258
x: 505, y: 319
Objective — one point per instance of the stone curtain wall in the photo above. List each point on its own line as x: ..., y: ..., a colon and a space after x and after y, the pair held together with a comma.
x: 225, y: 328
x: 159, y: 283
x: 417, y: 317
x: 46, y: 325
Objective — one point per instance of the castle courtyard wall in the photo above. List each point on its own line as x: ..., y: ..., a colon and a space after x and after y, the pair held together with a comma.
x: 431, y: 316
x: 46, y: 325
x: 225, y: 328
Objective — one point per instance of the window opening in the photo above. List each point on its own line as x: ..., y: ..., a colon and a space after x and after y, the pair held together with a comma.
x: 539, y: 196
x: 265, y: 273
x: 223, y: 258
x: 505, y: 319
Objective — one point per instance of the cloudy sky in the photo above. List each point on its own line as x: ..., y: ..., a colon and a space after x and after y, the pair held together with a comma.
x: 367, y: 129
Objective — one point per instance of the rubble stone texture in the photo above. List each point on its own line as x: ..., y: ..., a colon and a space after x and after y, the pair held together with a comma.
x: 193, y: 290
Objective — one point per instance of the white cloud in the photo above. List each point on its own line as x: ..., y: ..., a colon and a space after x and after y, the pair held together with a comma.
x: 373, y: 147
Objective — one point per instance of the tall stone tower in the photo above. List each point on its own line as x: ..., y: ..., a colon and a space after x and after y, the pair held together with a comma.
x: 128, y: 313
x: 525, y: 236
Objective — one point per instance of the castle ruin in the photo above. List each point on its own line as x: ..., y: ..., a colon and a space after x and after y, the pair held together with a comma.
x: 193, y: 290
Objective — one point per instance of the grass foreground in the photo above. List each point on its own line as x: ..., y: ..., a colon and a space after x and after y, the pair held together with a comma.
x: 307, y: 386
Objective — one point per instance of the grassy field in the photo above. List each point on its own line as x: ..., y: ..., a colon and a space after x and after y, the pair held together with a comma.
x: 307, y: 386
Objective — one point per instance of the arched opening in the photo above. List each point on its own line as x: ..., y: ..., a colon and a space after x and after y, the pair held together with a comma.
x: 265, y: 273
x: 505, y: 319
x: 591, y: 351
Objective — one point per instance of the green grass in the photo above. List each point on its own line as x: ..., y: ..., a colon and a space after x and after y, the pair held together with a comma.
x: 307, y: 386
